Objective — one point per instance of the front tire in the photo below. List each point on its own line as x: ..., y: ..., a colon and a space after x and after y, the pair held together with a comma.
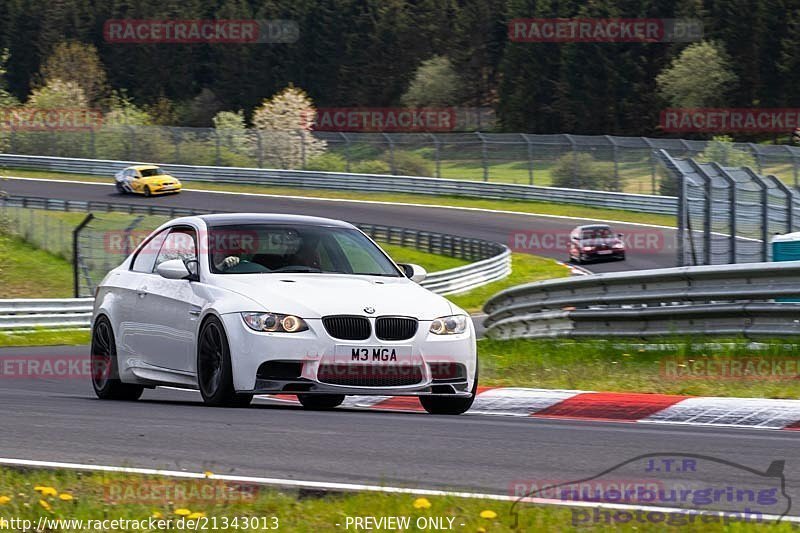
x: 104, y: 366
x: 442, y: 405
x: 120, y: 188
x: 214, y: 369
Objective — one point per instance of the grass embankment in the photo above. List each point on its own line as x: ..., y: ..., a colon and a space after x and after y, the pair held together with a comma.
x: 29, y: 272
x: 51, y: 494
x: 544, y: 208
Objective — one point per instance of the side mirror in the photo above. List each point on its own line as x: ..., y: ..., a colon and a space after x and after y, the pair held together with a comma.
x: 414, y: 272
x: 173, y: 269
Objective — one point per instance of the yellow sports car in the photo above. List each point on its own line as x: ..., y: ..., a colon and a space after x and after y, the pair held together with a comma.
x: 146, y: 179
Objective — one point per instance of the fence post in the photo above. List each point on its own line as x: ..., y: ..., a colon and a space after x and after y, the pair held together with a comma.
x: 764, y: 212
x: 436, y: 155
x: 756, y: 155
x: 302, y: 148
x: 794, y: 164
x: 484, y: 156
x: 176, y: 139
x: 731, y: 211
x: 260, y: 148
x: 346, y: 151
x: 615, y: 149
x: 391, y: 153
x: 789, y: 200
x: 527, y: 139
x: 574, y: 148
x: 75, y: 256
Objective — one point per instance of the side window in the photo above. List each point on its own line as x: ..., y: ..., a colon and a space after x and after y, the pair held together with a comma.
x: 146, y: 256
x: 180, y: 244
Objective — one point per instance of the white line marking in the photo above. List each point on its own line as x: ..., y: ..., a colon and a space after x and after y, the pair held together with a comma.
x: 376, y: 202
x: 357, y: 487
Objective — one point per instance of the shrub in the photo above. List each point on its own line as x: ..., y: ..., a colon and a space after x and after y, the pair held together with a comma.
x: 373, y: 166
x: 328, y: 162
x: 408, y: 164
x: 582, y: 171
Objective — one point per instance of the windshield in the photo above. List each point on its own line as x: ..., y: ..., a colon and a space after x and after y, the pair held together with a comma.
x: 597, y: 233
x: 146, y: 173
x: 268, y: 248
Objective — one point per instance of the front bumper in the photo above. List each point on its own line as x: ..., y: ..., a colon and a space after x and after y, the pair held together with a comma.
x: 306, y: 362
x: 166, y: 189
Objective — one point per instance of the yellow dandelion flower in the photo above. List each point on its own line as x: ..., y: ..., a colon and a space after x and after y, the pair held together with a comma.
x: 45, y: 505
x: 422, y: 503
x: 45, y: 491
x: 182, y: 512
x: 489, y: 514
x: 66, y: 497
x: 195, y: 516
x: 4, y: 500
x: 208, y: 473
x: 158, y: 515
x: 481, y: 530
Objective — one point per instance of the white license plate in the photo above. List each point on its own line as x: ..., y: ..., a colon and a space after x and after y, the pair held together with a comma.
x: 604, y: 252
x: 372, y: 354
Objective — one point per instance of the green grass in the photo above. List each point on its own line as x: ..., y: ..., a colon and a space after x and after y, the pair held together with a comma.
x: 524, y: 269
x: 62, y: 337
x: 625, y: 366
x: 544, y: 208
x: 99, y: 496
x: 430, y: 262
x: 28, y: 272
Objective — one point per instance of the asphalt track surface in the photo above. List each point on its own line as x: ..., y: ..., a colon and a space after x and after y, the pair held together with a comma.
x: 653, y: 246
x: 60, y: 419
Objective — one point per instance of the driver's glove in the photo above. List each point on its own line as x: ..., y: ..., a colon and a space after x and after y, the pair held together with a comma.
x: 230, y: 262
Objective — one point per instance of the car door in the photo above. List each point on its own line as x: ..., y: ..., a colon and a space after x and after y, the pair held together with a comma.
x: 129, y: 316
x: 170, y: 308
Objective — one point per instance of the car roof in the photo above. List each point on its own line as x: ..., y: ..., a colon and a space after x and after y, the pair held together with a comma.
x: 142, y: 167
x: 594, y: 226
x: 224, y: 219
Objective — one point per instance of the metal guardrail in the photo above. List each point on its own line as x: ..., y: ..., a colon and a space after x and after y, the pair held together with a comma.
x: 489, y: 261
x: 359, y: 182
x: 50, y: 313
x: 741, y: 299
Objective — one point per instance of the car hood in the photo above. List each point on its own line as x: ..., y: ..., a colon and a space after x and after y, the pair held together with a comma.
x: 318, y: 295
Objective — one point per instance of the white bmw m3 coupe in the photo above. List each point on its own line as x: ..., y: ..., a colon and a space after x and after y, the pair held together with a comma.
x: 244, y: 304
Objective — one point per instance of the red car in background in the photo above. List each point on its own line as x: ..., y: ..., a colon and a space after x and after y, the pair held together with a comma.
x: 595, y: 242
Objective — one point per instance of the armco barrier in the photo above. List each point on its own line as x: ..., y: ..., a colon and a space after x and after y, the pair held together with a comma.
x: 742, y: 299
x: 45, y: 313
x: 489, y: 261
x: 359, y: 182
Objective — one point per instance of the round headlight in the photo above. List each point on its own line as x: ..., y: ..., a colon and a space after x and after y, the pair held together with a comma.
x: 269, y: 322
x: 290, y: 323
